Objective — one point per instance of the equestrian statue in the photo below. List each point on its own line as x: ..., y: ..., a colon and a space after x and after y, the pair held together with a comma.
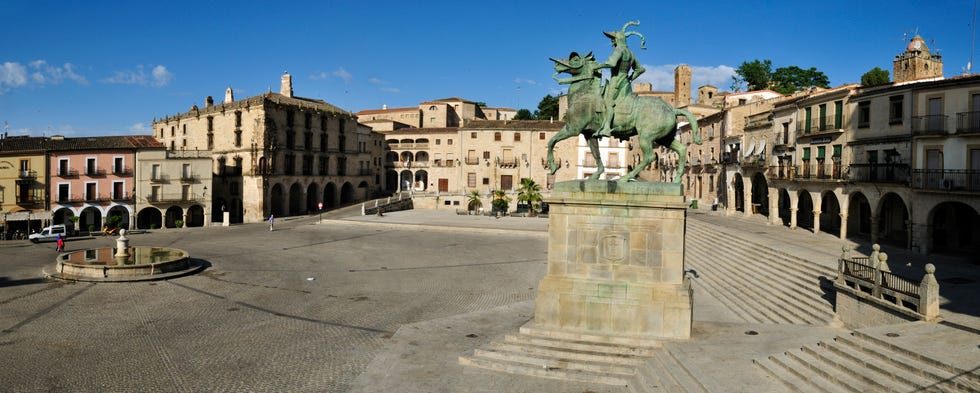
x: 597, y: 110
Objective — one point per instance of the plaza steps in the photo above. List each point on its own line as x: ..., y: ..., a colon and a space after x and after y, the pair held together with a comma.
x: 641, y: 364
x: 759, y: 284
x: 859, y: 362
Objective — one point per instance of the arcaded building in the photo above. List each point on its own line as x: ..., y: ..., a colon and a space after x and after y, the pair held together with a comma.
x: 278, y: 153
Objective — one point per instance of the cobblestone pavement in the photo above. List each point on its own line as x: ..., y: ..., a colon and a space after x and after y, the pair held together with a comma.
x: 303, y: 308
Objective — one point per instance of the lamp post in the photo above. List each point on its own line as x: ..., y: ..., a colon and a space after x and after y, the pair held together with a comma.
x: 204, y: 197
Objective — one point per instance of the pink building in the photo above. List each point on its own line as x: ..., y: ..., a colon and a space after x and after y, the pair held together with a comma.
x: 92, y: 178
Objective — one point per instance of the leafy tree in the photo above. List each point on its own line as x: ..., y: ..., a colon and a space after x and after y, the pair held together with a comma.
x: 523, y: 114
x: 875, y: 77
x: 547, y: 108
x: 529, y: 193
x: 501, y: 202
x: 788, y: 80
x: 755, y: 74
x: 473, y: 201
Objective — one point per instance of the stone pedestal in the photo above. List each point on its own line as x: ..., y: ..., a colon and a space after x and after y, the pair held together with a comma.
x: 616, y: 261
x: 225, y: 219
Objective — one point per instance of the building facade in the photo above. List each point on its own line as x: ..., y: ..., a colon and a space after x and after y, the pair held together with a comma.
x: 278, y: 154
x: 172, y: 189
x: 23, y: 185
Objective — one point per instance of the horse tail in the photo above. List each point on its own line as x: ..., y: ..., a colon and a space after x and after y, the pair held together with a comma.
x: 694, y: 123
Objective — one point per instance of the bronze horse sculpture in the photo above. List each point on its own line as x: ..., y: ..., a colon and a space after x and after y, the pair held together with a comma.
x: 651, y: 119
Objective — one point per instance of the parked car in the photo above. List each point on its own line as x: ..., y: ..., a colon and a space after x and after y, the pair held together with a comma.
x: 49, y: 234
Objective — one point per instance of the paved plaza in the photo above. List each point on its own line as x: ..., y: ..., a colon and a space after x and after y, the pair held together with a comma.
x: 365, y: 304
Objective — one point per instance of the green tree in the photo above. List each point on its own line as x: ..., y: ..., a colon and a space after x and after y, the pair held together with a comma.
x: 501, y: 202
x: 473, y: 201
x: 754, y: 74
x: 547, y: 108
x: 788, y: 80
x: 530, y: 194
x: 876, y: 76
x: 523, y: 114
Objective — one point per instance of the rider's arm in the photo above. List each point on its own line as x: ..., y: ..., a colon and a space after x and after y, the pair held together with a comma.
x: 637, y: 71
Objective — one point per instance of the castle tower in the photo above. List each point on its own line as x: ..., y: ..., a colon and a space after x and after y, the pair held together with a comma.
x: 229, y: 95
x: 706, y: 94
x: 286, y: 88
x: 917, y: 63
x: 682, y: 85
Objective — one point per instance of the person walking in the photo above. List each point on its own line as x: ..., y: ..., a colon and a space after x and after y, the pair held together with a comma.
x: 272, y: 221
x: 60, y: 247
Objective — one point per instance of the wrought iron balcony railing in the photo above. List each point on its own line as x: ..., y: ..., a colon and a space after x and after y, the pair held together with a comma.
x: 968, y: 123
x: 879, y: 173
x: 929, y: 125
x: 946, y: 180
x: 66, y: 173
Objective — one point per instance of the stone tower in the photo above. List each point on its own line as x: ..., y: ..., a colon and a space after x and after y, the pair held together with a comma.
x: 682, y: 85
x: 706, y: 94
x: 917, y: 63
x: 286, y: 88
x: 229, y: 95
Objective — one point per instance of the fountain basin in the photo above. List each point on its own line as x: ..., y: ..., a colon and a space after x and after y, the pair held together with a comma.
x: 141, y: 263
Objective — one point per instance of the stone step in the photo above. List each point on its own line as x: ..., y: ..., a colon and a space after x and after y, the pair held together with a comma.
x: 633, y: 341
x: 798, y: 374
x: 543, y: 371
x: 793, y: 382
x: 607, y: 349
x: 564, y: 353
x: 883, y: 369
x: 809, y: 310
x: 680, y: 374
x: 811, y: 267
x: 736, y: 302
x: 839, y: 365
x: 911, y: 362
x: 548, y: 362
x: 791, y: 307
x: 810, y: 365
x: 647, y: 381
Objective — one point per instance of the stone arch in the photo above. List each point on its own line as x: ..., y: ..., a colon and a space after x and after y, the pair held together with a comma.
x: 739, y: 187
x: 295, y: 199
x: 421, y: 182
x: 149, y: 218
x: 804, y: 212
x: 346, y: 193
x: 173, y: 214
x: 391, y: 157
x: 955, y: 229
x: 760, y: 193
x: 276, y: 200
x: 61, y: 216
x: 330, y: 196
x: 784, y: 207
x: 405, y: 180
x: 422, y: 156
x: 312, y: 197
x: 858, y: 216
x: 120, y: 211
x: 391, y: 180
x: 406, y: 157
x: 830, y: 220
x: 893, y: 218
x: 90, y: 219
x: 195, y: 216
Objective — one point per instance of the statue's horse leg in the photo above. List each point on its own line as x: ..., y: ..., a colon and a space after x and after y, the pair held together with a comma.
x: 645, y: 139
x: 594, y: 148
x: 563, y: 134
x: 681, y: 150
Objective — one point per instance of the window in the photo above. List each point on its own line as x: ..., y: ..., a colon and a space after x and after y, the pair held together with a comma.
x: 541, y: 136
x: 63, y: 167
x: 210, y: 140
x: 839, y: 115
x: 472, y: 135
x: 517, y: 137
x: 184, y: 129
x: 238, y: 119
x: 155, y: 172
x: 154, y: 193
x: 895, y: 107
x: 91, y: 191
x: 471, y: 179
x: 323, y: 166
x: 117, y: 165
x: 449, y: 142
x: 438, y: 142
x: 864, y: 114
x: 238, y: 138
x: 807, y: 120
x: 486, y: 155
x: 64, y: 193
x: 185, y: 171
x: 185, y: 192
x: 486, y: 181
x: 210, y: 123
x: 323, y: 143
x: 806, y: 154
x: 90, y: 167
x: 821, y: 152
x: 117, y: 190
x: 172, y: 131
x: 823, y: 117
x: 496, y: 137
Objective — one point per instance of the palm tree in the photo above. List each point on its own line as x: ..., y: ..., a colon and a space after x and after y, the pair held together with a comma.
x: 530, y: 194
x: 473, y: 202
x: 501, y: 202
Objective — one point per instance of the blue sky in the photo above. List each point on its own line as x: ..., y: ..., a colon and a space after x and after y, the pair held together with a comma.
x: 109, y: 68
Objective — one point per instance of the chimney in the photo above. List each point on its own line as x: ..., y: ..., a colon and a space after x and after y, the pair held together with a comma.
x: 287, y: 85
x: 229, y: 96
x: 208, y: 102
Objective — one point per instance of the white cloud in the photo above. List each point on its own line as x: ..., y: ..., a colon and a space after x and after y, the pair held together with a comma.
x: 140, y: 128
x: 520, y: 81
x: 159, y: 76
x: 36, y: 73
x: 342, y: 74
x: 390, y: 90
x: 662, y: 76
x: 376, y: 81
x: 319, y: 76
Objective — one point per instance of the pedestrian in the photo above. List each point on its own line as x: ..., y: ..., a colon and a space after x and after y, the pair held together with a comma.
x: 272, y: 221
x: 60, y: 244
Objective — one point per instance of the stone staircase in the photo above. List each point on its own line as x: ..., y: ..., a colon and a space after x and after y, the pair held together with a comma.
x: 759, y: 284
x: 859, y: 362
x: 640, y: 364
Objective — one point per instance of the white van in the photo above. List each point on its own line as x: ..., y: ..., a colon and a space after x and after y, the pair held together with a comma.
x: 49, y: 234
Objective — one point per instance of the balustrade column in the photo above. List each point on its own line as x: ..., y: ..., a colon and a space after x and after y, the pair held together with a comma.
x: 816, y: 222
x: 792, y: 218
x: 747, y: 198
x: 929, y: 294
x: 843, y: 226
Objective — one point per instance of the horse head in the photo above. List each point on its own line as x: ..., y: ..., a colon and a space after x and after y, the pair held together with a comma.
x: 574, y: 64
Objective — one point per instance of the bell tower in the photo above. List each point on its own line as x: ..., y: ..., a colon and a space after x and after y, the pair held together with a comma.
x: 917, y: 62
x: 682, y: 85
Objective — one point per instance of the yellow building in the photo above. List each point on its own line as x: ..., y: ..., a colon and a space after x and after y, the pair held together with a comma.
x: 23, y: 179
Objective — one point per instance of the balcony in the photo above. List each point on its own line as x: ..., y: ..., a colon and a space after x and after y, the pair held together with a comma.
x: 159, y: 179
x: 29, y: 201
x: 95, y: 172
x: 188, y: 177
x: 68, y: 173
x: 819, y: 126
x: 87, y: 198
x: 122, y: 171
x: 879, y: 173
x: 785, y: 172
x: 510, y: 162
x: 176, y: 197
x: 929, y: 125
x: 27, y: 175
x: 121, y: 197
x: 946, y: 180
x: 472, y: 161
x: 820, y: 171
x: 411, y: 164
x: 968, y: 123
